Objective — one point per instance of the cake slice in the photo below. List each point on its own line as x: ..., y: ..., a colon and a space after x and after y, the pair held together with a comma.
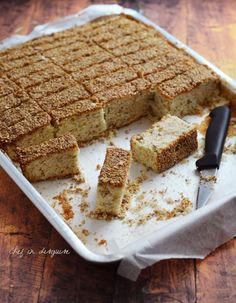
x: 166, y: 143
x: 33, y: 129
x: 186, y: 92
x: 55, y: 158
x: 112, y: 181
x: 125, y: 103
x: 84, y: 119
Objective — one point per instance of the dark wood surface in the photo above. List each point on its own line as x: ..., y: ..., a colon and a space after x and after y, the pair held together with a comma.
x: 210, y: 28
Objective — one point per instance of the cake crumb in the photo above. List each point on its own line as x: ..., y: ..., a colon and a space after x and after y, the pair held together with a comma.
x: 163, y: 191
x: 85, y: 232
x: 102, y: 242
x: 134, y: 185
x: 98, y: 167
x: 230, y: 149
x: 79, y: 178
x: 170, y: 201
x: 81, y: 223
x: 65, y: 204
x: 184, y: 207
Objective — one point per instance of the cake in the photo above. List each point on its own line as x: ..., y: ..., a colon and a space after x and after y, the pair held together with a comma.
x: 32, y: 130
x: 112, y: 181
x: 164, y: 144
x: 55, y: 158
x: 95, y: 77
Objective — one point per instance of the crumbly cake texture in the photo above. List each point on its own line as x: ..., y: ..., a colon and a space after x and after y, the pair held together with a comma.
x: 55, y: 158
x: 166, y: 143
x: 95, y: 77
x: 112, y: 181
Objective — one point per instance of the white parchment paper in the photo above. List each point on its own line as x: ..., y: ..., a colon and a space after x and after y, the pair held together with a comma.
x: 192, y: 236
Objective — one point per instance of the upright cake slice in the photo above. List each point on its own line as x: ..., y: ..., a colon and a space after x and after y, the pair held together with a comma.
x: 112, y: 181
x: 166, y: 143
x: 54, y: 158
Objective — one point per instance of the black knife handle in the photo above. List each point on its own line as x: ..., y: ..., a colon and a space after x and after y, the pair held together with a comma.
x: 215, y: 138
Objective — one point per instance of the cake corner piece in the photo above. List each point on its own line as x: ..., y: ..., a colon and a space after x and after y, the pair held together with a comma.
x: 52, y: 159
x: 112, y: 181
x: 166, y: 143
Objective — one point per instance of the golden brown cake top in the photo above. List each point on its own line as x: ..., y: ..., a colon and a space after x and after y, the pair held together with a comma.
x: 10, y: 65
x: 115, y: 167
x: 51, y: 86
x: 124, y: 40
x: 115, y: 78
x: 129, y: 89
x: 52, y: 146
x: 159, y: 63
x: 21, y: 112
x: 29, y: 69
x: 99, y: 69
x: 171, y: 72
x: 13, y: 100
x: 7, y: 86
x: 186, y: 81
x: 17, y: 52
x: 24, y: 127
x: 41, y: 76
x: 73, y: 52
x: 64, y: 97
x: 76, y: 108
x: 111, y: 58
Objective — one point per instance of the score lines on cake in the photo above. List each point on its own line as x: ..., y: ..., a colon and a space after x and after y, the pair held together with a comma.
x: 95, y: 77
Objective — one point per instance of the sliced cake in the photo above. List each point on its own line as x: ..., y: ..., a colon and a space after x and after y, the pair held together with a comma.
x: 33, y: 129
x: 55, y: 158
x: 95, y: 77
x: 84, y: 119
x: 112, y: 181
x: 125, y: 103
x: 186, y: 92
x: 166, y: 143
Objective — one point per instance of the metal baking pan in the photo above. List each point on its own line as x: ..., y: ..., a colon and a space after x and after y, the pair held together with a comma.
x: 125, y: 241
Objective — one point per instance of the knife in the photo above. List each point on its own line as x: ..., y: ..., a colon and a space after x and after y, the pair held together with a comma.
x: 209, y: 164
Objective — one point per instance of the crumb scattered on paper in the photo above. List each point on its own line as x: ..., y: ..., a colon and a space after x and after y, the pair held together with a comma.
x: 230, y: 149
x: 65, y: 204
x: 209, y: 178
x: 183, y: 207
x: 102, y: 242
x: 202, y: 127
x: 134, y: 185
x: 85, y: 232
x: 79, y: 178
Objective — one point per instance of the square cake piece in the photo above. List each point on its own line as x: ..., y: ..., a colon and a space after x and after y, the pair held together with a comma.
x: 112, y: 181
x: 55, y: 158
x: 166, y: 143
x: 33, y: 129
x: 186, y: 92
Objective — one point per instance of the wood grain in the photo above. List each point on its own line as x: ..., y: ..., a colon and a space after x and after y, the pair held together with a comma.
x: 210, y: 28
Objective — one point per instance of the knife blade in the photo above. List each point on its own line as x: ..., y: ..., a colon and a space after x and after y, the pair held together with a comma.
x: 209, y: 164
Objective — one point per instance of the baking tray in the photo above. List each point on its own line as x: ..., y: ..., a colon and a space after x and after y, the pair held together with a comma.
x: 102, y: 241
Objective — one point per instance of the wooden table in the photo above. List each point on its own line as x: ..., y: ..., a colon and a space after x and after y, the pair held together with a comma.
x: 210, y: 28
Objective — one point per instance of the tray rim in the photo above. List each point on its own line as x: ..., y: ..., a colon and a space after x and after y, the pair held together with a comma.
x: 55, y: 219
